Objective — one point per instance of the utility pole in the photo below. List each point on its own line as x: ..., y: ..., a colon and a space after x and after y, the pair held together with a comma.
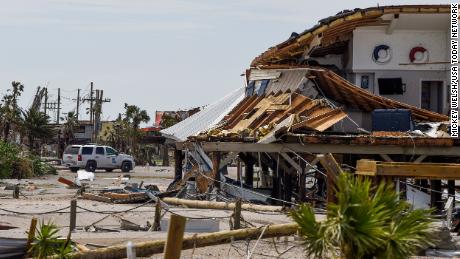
x: 91, y: 103
x: 46, y: 98
x: 96, y: 109
x: 78, y: 102
x: 95, y: 113
x: 58, y: 105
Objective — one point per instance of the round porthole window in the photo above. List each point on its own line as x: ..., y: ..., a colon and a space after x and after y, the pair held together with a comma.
x: 381, y: 54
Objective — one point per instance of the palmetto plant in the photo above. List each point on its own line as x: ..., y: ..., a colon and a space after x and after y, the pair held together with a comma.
x: 47, y: 242
x: 365, y: 222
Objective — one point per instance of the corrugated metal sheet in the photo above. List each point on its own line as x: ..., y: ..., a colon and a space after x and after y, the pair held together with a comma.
x: 205, y: 119
x: 289, y: 80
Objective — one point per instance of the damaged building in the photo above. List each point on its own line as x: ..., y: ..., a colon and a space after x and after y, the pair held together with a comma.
x: 360, y: 89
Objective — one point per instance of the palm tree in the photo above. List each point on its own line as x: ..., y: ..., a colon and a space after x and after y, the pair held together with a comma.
x: 68, y: 128
x: 135, y: 116
x: 10, y: 113
x: 36, y: 127
x: 365, y: 222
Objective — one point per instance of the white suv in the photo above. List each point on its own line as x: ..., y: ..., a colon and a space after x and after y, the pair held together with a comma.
x: 92, y: 157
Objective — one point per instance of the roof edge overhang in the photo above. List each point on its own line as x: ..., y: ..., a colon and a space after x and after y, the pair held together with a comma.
x: 295, y: 46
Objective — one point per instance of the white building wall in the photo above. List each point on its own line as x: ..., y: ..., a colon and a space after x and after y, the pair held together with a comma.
x: 401, y: 42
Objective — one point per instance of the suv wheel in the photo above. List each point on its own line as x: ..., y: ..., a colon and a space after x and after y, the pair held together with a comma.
x: 126, y: 167
x: 91, y: 166
x: 74, y: 169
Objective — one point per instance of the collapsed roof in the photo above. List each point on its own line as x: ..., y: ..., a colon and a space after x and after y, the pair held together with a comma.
x: 302, y: 99
x: 331, y: 33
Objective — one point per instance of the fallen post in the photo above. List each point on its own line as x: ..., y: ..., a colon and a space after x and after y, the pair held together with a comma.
x: 220, y: 205
x: 201, y: 240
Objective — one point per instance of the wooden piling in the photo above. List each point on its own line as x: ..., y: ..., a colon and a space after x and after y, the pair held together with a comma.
x: 156, y: 222
x: 175, y: 236
x: 237, y: 215
x: 73, y: 215
x: 238, y: 169
x: 31, y: 233
x: 436, y: 195
x: 16, y: 192
x: 302, y: 182
x: 165, y: 155
x: 451, y: 190
x: 178, y: 157
x: 249, y: 171
x: 215, y: 168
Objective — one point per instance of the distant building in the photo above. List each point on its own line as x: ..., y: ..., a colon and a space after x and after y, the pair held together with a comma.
x: 165, y: 119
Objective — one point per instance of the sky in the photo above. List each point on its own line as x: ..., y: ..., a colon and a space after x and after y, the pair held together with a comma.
x: 159, y: 55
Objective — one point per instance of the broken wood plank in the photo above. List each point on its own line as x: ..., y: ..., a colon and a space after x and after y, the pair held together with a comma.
x: 95, y: 197
x: 67, y: 182
x: 333, y: 170
x: 291, y: 161
x: 322, y: 121
x: 408, y: 169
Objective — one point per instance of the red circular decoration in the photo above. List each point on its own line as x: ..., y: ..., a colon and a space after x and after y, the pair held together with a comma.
x: 415, y: 50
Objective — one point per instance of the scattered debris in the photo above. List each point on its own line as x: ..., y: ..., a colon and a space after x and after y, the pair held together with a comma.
x: 30, y: 187
x: 128, y: 225
x: 83, y: 175
x: 70, y: 184
x: 6, y: 226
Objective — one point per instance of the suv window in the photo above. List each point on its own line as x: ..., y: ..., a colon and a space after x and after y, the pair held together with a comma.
x: 110, y: 151
x: 99, y: 150
x: 87, y: 150
x: 71, y: 150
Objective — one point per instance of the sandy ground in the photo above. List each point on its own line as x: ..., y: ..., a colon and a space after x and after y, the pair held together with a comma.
x: 51, y: 195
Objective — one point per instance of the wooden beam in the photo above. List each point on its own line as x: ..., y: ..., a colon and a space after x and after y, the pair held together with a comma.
x: 386, y: 157
x: 332, y: 148
x: 420, y: 159
x: 333, y: 170
x: 408, y: 169
x: 291, y: 162
x: 219, y: 205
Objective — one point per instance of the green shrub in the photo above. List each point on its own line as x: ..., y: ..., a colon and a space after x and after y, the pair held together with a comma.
x: 22, y: 168
x: 9, y: 154
x: 13, y: 165
x: 41, y: 168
